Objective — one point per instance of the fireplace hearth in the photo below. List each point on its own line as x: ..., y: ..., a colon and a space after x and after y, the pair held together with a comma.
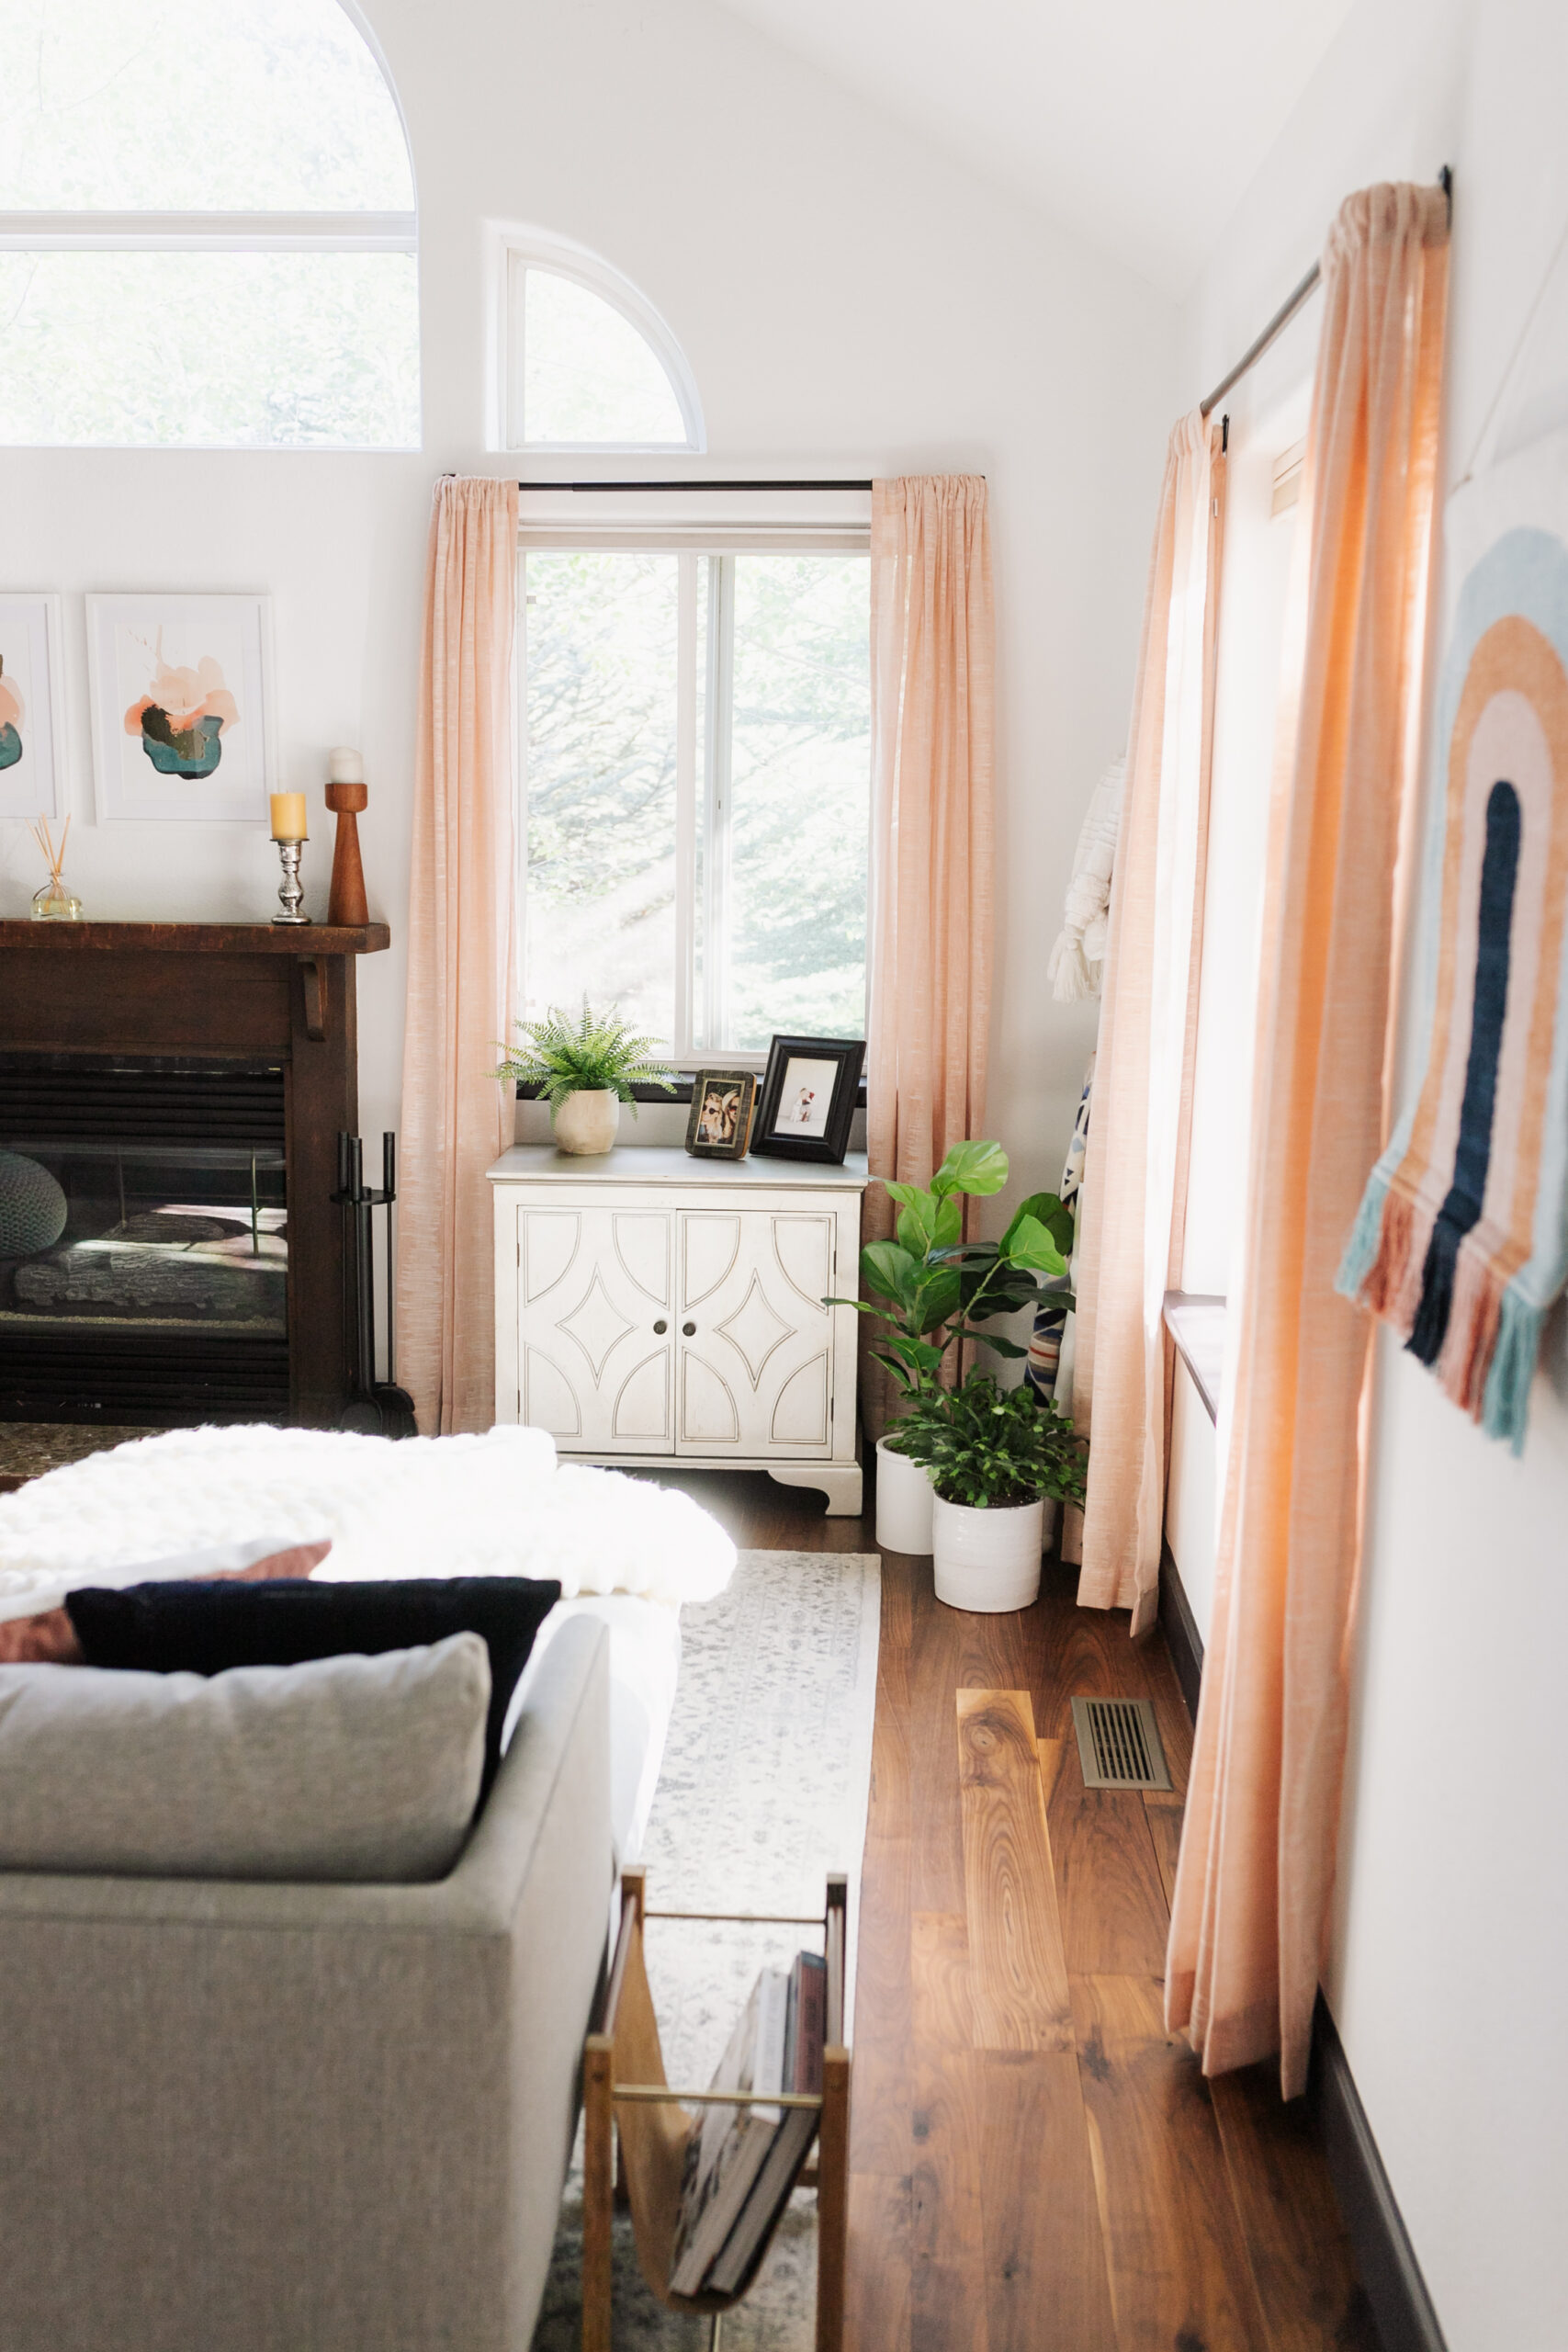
x: 170, y: 1101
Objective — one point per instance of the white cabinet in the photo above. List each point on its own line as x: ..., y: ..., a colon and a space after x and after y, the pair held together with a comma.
x: 654, y: 1308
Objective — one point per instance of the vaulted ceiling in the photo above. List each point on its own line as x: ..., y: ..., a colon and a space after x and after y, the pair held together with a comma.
x: 1137, y: 122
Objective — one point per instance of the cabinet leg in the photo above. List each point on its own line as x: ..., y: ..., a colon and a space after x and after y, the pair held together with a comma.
x: 840, y: 1482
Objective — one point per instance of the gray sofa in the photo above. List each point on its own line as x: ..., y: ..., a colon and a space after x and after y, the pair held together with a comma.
x: 248, y: 2118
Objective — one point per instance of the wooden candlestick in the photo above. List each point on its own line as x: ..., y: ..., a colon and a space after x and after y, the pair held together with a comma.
x: 346, y: 902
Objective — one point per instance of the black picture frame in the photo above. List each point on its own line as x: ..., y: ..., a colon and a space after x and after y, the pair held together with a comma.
x: 743, y: 1082
x: 823, y: 1136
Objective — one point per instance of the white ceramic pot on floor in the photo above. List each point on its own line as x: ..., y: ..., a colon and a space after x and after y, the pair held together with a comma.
x: 990, y: 1560
x: 588, y: 1122
x: 903, y: 1500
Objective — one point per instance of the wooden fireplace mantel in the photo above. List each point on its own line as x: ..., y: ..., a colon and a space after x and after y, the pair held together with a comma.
x: 197, y: 938
x: 281, y: 992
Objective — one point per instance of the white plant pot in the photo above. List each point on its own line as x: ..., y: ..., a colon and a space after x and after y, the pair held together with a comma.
x: 588, y: 1122
x: 990, y: 1560
x: 903, y: 1500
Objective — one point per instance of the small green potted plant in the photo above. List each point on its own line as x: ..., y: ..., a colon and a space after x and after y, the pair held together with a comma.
x: 585, y: 1069
x: 998, y: 1459
x: 930, y: 1288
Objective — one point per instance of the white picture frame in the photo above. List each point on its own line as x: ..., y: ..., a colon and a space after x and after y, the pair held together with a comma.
x: 32, y: 709
x: 213, y: 656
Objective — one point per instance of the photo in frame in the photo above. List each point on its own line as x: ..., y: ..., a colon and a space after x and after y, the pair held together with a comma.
x: 32, y: 709
x: 808, y: 1098
x: 722, y: 1104
x: 181, y: 693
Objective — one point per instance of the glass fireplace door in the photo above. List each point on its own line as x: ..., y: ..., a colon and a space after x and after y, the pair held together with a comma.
x: 143, y: 1241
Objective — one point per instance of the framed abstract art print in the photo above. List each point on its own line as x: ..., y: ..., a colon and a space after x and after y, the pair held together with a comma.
x: 32, y: 709
x: 182, y: 708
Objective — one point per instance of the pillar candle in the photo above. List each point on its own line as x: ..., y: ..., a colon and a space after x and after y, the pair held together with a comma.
x: 288, y: 817
x: 345, y: 767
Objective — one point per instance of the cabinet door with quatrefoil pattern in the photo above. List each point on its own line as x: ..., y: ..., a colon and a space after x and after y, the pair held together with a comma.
x: 755, y: 1341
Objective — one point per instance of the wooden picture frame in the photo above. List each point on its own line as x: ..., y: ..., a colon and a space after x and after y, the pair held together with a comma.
x: 722, y: 1104
x: 808, y: 1099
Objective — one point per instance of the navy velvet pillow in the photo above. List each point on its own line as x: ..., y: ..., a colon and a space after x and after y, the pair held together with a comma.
x: 179, y: 1628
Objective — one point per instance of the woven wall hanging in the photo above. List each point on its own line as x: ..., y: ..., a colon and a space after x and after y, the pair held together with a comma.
x: 1461, y: 1241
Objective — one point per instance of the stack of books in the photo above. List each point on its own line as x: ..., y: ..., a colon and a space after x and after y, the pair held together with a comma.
x: 741, y: 2161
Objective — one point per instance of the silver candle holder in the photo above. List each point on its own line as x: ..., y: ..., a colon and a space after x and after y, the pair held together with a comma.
x: 289, y: 831
x: 291, y: 890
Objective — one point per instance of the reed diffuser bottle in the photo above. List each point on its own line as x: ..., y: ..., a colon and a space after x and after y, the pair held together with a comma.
x: 54, y: 903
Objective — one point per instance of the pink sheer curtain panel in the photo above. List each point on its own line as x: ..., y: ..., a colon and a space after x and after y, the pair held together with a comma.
x: 933, y: 661
x: 456, y: 1117
x: 1135, y: 1185
x: 1255, y: 1872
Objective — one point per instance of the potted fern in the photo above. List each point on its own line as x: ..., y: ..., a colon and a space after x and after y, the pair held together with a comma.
x: 998, y: 1460
x: 931, y: 1289
x: 584, y: 1070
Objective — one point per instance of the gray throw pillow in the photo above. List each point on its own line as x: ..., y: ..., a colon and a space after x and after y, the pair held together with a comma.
x: 344, y: 1768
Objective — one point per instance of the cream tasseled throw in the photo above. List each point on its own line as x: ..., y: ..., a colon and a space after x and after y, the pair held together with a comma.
x: 1078, y: 960
x: 495, y: 1505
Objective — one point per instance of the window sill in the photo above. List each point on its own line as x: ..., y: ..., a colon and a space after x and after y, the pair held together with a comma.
x: 680, y: 1092
x: 1197, y: 1325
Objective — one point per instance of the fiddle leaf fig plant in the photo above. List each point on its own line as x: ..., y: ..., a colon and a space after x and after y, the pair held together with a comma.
x: 931, y: 1288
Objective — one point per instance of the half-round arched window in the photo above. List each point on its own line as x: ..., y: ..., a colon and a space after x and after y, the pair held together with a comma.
x: 207, y: 229
x: 587, y: 362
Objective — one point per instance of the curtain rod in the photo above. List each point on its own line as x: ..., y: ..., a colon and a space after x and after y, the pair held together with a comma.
x: 693, y: 485
x: 1287, y: 311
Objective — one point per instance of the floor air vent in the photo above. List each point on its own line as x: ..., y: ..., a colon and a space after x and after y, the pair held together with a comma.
x: 1119, y: 1744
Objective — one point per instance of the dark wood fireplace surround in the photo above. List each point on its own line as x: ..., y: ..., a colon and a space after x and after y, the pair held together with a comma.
x: 224, y: 990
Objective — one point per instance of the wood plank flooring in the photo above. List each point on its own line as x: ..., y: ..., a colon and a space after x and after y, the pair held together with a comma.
x: 1036, y: 2167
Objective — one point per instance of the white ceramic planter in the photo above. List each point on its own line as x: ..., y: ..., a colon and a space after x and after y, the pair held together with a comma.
x: 903, y: 1500
x: 588, y: 1122
x: 990, y: 1560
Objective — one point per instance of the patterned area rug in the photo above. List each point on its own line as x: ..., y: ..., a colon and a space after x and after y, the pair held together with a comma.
x: 764, y: 1787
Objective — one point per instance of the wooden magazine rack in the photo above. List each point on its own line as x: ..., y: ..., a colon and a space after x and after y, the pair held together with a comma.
x: 623, y: 2082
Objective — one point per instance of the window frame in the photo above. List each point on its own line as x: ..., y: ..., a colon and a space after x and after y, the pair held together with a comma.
x: 96, y: 229
x: 514, y: 251
x: 690, y: 524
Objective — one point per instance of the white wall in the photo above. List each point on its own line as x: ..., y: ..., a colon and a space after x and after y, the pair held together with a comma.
x: 1452, y: 1917
x: 851, y: 303
x: 1191, y: 1497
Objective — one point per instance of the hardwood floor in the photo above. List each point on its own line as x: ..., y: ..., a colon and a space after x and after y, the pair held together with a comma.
x: 1036, y: 2167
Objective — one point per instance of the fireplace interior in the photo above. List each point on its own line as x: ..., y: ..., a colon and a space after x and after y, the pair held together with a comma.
x: 143, y: 1239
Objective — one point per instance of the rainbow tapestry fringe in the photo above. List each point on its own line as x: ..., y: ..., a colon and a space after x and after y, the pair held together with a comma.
x: 1461, y: 1239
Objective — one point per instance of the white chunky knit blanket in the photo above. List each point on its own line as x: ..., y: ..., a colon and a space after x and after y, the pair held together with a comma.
x: 496, y: 1505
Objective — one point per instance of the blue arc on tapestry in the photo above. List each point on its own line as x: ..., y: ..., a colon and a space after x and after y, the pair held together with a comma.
x: 1472, y: 1155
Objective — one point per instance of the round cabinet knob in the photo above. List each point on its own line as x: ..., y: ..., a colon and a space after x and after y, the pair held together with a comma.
x: 662, y: 1327
x: 690, y: 1330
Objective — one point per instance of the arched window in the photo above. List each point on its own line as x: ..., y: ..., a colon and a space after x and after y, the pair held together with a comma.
x: 207, y: 229
x: 587, y: 363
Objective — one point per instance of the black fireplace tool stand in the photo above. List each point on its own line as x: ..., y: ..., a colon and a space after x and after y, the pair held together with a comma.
x: 376, y: 1407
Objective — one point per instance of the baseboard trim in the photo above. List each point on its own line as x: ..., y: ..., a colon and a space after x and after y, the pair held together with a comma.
x: 1406, y: 2321
x: 1180, y: 1629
